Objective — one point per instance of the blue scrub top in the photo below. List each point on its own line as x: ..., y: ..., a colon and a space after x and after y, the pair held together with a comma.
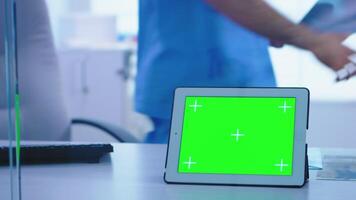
x: 188, y: 43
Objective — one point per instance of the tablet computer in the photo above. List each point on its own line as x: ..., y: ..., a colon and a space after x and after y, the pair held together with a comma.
x: 238, y: 136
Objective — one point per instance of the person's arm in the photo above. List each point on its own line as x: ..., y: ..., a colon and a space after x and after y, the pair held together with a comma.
x: 259, y: 17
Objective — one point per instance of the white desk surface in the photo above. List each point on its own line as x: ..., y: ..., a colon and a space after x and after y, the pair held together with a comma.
x: 135, y: 171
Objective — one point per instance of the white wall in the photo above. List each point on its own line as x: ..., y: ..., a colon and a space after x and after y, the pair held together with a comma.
x: 126, y: 12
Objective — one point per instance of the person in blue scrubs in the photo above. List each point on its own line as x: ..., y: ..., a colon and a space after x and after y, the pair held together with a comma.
x: 217, y: 43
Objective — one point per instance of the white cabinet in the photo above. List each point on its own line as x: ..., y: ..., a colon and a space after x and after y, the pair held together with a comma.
x: 96, y: 84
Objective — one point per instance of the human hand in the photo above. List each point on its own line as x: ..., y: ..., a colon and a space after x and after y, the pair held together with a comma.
x: 276, y: 43
x: 328, y: 48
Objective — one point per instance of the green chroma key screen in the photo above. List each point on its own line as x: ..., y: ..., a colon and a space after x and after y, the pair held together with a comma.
x: 238, y: 135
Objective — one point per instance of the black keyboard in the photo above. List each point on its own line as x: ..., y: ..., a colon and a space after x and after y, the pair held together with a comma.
x: 57, y: 153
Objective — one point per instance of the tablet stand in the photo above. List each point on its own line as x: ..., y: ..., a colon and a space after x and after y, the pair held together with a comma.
x: 306, y: 177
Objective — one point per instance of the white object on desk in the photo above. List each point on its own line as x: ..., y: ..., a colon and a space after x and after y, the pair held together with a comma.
x: 314, y: 157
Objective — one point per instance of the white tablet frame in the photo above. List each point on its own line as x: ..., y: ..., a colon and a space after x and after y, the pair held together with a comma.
x: 299, y: 154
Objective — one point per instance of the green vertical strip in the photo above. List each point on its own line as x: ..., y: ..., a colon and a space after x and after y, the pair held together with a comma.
x: 18, y: 127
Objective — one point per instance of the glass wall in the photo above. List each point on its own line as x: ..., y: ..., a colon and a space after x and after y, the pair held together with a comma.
x: 10, y: 181
x: 70, y: 64
x: 116, y: 24
x: 303, y: 70
x: 92, y: 48
x: 5, y: 189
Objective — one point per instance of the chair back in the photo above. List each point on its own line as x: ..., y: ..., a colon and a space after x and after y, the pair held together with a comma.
x: 44, y: 115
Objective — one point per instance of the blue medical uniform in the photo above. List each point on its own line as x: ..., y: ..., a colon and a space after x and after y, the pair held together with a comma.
x: 188, y: 43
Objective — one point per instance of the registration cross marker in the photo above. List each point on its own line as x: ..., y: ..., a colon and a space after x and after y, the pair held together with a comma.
x: 281, y: 165
x: 237, y: 135
x: 189, y: 163
x: 285, y: 106
x: 195, y: 105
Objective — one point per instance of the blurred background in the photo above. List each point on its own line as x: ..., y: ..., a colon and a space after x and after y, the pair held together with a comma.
x: 90, y: 74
